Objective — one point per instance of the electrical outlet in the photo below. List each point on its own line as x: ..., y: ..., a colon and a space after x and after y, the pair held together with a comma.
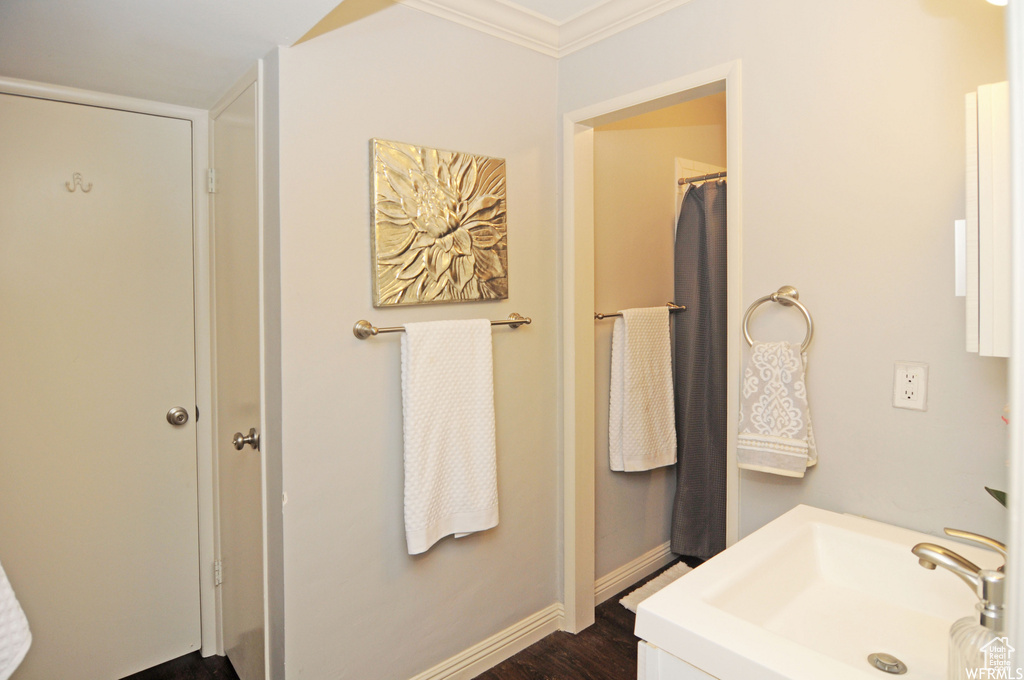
x: 910, y: 386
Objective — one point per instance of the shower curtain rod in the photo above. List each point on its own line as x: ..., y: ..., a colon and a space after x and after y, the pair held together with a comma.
x: 701, y: 178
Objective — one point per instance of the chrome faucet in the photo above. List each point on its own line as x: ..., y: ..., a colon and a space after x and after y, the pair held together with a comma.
x: 987, y: 584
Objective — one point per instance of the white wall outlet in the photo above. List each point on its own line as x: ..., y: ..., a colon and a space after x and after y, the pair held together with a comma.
x: 910, y: 386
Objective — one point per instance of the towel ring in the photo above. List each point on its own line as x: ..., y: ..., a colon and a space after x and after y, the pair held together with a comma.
x: 787, y: 296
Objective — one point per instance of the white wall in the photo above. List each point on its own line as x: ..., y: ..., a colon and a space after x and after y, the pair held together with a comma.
x: 852, y: 176
x: 634, y: 217
x: 357, y: 605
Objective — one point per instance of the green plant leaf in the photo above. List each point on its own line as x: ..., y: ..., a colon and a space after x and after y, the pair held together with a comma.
x: 998, y: 495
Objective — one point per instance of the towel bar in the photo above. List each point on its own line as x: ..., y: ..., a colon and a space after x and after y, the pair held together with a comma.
x: 788, y: 296
x: 672, y: 307
x: 363, y: 329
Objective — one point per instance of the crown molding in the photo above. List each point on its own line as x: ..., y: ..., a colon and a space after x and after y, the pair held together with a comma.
x: 498, y: 18
x: 521, y: 26
x: 607, y: 19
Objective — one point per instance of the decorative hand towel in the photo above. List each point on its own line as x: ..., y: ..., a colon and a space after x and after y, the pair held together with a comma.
x: 775, y: 420
x: 642, y: 418
x: 15, y: 637
x: 448, y: 420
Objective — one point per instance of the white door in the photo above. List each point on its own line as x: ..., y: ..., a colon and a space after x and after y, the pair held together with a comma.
x: 98, y: 518
x: 236, y: 229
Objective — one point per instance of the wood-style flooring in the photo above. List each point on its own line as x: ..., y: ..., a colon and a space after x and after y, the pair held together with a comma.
x: 189, y: 667
x: 604, y: 651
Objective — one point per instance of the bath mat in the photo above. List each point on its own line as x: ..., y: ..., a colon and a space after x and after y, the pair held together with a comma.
x: 633, y: 600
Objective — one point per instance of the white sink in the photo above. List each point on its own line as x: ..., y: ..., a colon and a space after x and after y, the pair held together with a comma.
x: 810, y: 596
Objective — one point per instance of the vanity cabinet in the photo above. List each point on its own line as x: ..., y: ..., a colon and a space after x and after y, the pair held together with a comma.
x: 657, y: 664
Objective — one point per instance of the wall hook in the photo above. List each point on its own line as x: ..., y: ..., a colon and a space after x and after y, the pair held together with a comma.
x: 76, y: 183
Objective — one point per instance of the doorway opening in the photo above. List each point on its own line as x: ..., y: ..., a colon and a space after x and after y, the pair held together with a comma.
x: 588, y: 280
x: 641, y: 165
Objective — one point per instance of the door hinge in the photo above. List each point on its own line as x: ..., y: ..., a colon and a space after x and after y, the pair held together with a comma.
x: 211, y: 181
x: 218, y: 573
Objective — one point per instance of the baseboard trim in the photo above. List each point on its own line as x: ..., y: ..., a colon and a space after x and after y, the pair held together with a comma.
x: 495, y: 649
x: 628, y: 574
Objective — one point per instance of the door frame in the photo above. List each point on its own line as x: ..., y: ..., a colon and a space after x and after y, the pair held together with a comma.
x: 577, y: 322
x: 1015, y: 565
x: 208, y: 609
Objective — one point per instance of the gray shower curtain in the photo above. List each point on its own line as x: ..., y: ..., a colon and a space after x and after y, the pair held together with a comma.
x: 699, y: 356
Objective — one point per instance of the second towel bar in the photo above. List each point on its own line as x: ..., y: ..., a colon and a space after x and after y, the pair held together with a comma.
x: 672, y: 307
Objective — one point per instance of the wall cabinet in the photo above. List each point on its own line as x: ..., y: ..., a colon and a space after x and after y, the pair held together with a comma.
x: 987, y: 237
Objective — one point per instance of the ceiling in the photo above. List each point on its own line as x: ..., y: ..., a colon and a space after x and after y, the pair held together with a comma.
x: 189, y: 52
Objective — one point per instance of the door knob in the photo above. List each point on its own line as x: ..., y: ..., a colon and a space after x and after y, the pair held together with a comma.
x: 177, y: 416
x: 252, y: 439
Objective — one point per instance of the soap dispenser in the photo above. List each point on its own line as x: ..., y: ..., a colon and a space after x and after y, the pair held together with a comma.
x: 971, y: 638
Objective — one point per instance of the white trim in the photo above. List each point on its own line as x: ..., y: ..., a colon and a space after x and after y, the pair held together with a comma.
x: 209, y: 614
x: 209, y: 603
x: 577, y: 358
x: 260, y: 170
x: 500, y: 646
x: 577, y: 264
x: 1015, y: 565
x: 502, y: 20
x: 606, y: 20
x: 73, y: 95
x: 632, y: 572
x: 521, y: 26
x: 235, y: 91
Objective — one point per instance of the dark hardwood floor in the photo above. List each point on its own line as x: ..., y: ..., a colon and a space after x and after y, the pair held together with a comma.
x: 189, y: 667
x: 605, y: 651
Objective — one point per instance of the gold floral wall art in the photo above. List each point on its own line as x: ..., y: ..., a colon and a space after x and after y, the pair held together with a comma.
x: 439, y: 226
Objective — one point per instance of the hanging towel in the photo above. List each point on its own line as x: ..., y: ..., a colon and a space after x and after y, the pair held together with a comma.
x: 15, y: 637
x: 448, y: 422
x: 775, y: 421
x: 641, y: 420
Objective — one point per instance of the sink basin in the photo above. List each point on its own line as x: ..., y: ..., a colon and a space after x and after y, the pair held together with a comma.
x: 810, y: 596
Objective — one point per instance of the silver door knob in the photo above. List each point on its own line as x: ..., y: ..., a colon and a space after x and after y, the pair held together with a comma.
x: 177, y: 416
x: 252, y: 439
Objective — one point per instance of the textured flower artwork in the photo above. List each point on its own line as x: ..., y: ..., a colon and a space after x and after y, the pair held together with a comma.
x: 439, y: 226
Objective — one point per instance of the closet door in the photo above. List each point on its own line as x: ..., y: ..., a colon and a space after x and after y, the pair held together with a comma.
x: 236, y: 226
x: 98, y: 518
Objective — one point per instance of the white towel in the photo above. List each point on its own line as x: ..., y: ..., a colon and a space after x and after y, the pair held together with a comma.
x: 775, y: 421
x: 15, y: 637
x: 451, y: 484
x: 642, y: 415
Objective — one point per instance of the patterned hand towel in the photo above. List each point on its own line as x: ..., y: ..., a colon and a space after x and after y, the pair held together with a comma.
x: 15, y: 637
x: 642, y: 415
x: 775, y: 421
x: 451, y: 484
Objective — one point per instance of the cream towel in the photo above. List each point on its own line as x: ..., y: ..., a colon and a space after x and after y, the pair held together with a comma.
x: 775, y: 421
x: 448, y: 420
x: 642, y: 415
x: 15, y: 637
